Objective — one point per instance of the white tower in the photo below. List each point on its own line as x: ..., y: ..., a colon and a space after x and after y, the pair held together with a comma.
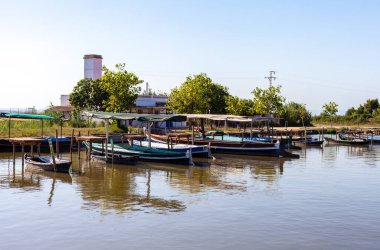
x: 92, y: 66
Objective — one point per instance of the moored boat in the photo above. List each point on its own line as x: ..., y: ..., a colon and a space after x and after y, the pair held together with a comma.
x: 239, y: 148
x: 144, y: 153
x: 117, y: 159
x: 309, y: 142
x: 46, y: 163
x: 346, y: 141
x: 196, y: 150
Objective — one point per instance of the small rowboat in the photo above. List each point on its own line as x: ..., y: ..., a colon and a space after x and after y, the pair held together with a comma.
x: 46, y: 163
x: 309, y: 142
x: 129, y: 160
x: 352, y: 142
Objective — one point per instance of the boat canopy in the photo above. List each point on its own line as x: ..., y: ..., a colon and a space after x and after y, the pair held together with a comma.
x: 133, y: 116
x: 233, y: 118
x: 176, y: 117
x: 26, y: 116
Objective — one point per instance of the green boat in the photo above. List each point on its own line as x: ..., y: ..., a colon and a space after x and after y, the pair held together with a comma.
x: 143, y: 153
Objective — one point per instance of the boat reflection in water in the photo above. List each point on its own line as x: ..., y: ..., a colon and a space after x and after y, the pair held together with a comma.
x: 29, y: 178
x: 148, y: 187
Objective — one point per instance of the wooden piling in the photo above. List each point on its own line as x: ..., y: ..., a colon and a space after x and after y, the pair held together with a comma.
x: 14, y: 152
x: 78, y: 145
x: 71, y: 144
x: 22, y: 153
x: 192, y: 128
x: 112, y: 150
x: 56, y: 143
x: 52, y: 155
x: 89, y: 154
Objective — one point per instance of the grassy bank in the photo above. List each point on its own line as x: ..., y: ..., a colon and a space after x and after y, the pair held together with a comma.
x: 33, y: 129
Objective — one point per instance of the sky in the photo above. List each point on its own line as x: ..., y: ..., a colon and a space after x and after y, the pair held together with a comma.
x: 321, y: 50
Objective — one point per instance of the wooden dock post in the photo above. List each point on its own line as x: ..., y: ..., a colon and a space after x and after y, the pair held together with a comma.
x: 323, y: 133
x: 52, y: 154
x: 305, y: 138
x: 89, y: 154
x: 112, y: 149
x: 22, y: 152
x: 14, y: 152
x: 71, y: 144
x: 78, y: 145
x: 192, y: 132
x: 9, y: 128
x: 56, y: 143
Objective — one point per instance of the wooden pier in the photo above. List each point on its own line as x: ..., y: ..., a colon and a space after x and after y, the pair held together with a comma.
x: 26, y: 141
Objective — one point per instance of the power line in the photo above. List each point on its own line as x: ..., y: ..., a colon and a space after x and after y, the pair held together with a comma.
x: 271, y: 77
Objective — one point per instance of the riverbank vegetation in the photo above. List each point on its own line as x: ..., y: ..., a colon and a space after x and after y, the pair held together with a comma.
x: 118, y: 89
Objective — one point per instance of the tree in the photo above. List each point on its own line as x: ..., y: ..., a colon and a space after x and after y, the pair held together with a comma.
x: 89, y: 94
x: 330, y: 109
x: 198, y: 95
x: 268, y: 101
x: 122, y: 87
x: 371, y: 106
x: 238, y: 106
x: 80, y: 96
x: 296, y: 114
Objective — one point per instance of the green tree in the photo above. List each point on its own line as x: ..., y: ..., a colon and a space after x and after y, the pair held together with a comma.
x: 268, y: 101
x: 238, y: 106
x: 371, y: 106
x: 89, y: 94
x: 122, y: 88
x: 330, y: 109
x: 80, y: 96
x: 198, y: 95
x: 296, y: 114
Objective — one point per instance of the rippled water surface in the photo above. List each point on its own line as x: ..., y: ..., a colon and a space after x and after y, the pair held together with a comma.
x: 327, y: 199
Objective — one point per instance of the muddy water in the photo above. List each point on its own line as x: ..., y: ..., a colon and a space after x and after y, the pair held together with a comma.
x: 327, y: 199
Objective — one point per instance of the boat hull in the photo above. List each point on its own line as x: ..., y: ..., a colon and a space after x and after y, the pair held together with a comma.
x: 44, y: 163
x: 347, y: 142
x: 196, y: 150
x: 153, y: 156
x: 240, y: 148
x: 126, y: 160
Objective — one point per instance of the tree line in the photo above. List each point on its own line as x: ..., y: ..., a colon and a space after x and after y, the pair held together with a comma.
x: 116, y: 91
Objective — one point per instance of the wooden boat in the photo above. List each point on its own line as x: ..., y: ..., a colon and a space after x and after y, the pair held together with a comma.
x: 310, y: 142
x: 46, y: 163
x: 351, y: 142
x: 125, y: 160
x: 144, y: 153
x: 196, y: 150
x: 240, y: 148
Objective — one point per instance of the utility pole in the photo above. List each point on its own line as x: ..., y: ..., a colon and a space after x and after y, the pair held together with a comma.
x: 271, y: 77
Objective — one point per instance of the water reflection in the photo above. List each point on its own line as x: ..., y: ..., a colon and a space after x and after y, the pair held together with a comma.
x: 120, y: 188
x: 147, y: 187
x: 12, y: 178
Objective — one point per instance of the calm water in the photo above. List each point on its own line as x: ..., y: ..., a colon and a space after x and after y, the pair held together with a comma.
x: 328, y: 199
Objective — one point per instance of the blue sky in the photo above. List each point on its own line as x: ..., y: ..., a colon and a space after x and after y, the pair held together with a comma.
x: 321, y: 50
